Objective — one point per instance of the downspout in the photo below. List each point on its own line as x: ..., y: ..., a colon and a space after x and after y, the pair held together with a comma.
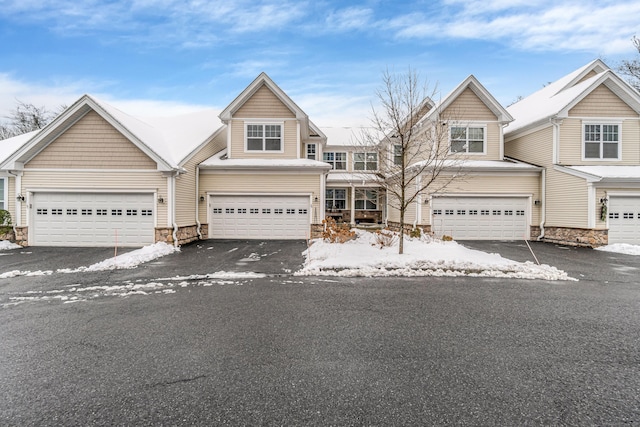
x: 18, y: 205
x: 198, y: 224
x: 543, y: 204
x: 418, y: 202
x: 171, y: 190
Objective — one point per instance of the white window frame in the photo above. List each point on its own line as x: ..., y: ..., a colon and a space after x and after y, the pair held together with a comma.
x: 365, y: 161
x: 264, y: 137
x: 468, y: 126
x: 5, y: 190
x: 327, y: 198
x: 334, y: 161
x: 396, y: 155
x: 601, y: 143
x: 361, y: 196
x: 307, y: 150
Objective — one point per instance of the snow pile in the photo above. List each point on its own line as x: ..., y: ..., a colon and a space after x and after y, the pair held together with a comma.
x: 621, y: 248
x: 128, y: 260
x: 422, y: 257
x: 6, y: 245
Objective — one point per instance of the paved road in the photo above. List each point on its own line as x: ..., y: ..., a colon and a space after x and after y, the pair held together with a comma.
x: 284, y: 350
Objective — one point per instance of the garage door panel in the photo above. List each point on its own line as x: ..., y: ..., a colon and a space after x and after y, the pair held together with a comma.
x: 480, y: 218
x: 92, y: 219
x: 624, y: 219
x: 259, y: 217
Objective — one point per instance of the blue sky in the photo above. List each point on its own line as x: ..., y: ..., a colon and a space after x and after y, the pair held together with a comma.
x: 162, y: 57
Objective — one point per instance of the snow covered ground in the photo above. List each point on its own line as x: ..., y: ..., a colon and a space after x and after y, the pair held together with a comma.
x: 6, y: 245
x: 422, y: 257
x: 621, y: 248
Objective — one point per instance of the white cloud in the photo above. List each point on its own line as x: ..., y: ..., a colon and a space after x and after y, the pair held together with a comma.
x: 52, y: 96
x: 352, y: 18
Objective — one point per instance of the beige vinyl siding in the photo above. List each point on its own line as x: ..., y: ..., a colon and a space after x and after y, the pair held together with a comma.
x: 566, y: 200
x: 494, y: 185
x: 290, y: 136
x: 571, y: 144
x: 263, y: 183
x: 264, y: 104
x: 468, y: 106
x: 186, y: 197
x: 91, y: 143
x: 97, y: 181
x: 601, y: 102
x: 535, y: 147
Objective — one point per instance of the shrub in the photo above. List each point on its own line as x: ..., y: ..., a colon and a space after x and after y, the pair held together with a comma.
x: 446, y: 238
x: 5, y: 222
x: 415, y: 233
x: 385, y: 238
x: 336, y: 233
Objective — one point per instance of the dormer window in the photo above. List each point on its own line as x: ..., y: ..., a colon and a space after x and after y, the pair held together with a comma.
x: 601, y: 141
x: 263, y: 137
x: 467, y: 139
x: 311, y: 151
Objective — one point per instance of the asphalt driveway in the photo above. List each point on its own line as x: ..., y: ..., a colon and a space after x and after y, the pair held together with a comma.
x: 282, y: 350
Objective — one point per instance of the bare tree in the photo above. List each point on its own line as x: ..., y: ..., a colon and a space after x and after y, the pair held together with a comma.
x: 26, y: 118
x: 415, y: 157
x: 631, y: 67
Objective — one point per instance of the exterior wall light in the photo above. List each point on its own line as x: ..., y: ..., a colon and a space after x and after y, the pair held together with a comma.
x: 20, y: 198
x: 160, y: 199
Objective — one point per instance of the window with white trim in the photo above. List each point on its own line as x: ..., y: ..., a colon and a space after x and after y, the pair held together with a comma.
x: 337, y: 160
x: 335, y: 198
x: 601, y: 141
x: 263, y: 137
x: 366, y: 200
x: 467, y: 139
x: 365, y: 161
x: 397, y: 154
x: 3, y: 202
x: 311, y: 151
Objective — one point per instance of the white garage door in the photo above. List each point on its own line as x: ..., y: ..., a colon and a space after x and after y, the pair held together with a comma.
x: 624, y: 219
x: 481, y: 218
x: 259, y: 217
x: 92, y: 219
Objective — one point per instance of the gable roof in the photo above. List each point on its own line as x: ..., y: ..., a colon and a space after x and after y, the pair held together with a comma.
x: 556, y: 99
x: 10, y: 145
x: 480, y: 91
x: 264, y: 80
x: 166, y: 140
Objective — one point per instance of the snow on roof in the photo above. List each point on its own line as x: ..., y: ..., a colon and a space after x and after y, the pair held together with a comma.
x: 220, y: 160
x: 172, y: 138
x: 553, y: 98
x: 619, y: 172
x: 485, y: 165
x: 334, y: 177
x: 10, y: 145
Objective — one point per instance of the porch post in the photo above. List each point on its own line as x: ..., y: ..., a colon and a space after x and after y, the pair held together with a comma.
x: 353, y: 205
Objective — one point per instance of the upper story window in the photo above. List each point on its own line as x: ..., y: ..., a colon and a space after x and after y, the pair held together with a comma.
x: 264, y: 137
x: 397, y: 154
x: 467, y: 139
x: 601, y: 141
x: 338, y: 161
x: 311, y: 151
x: 365, y: 161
